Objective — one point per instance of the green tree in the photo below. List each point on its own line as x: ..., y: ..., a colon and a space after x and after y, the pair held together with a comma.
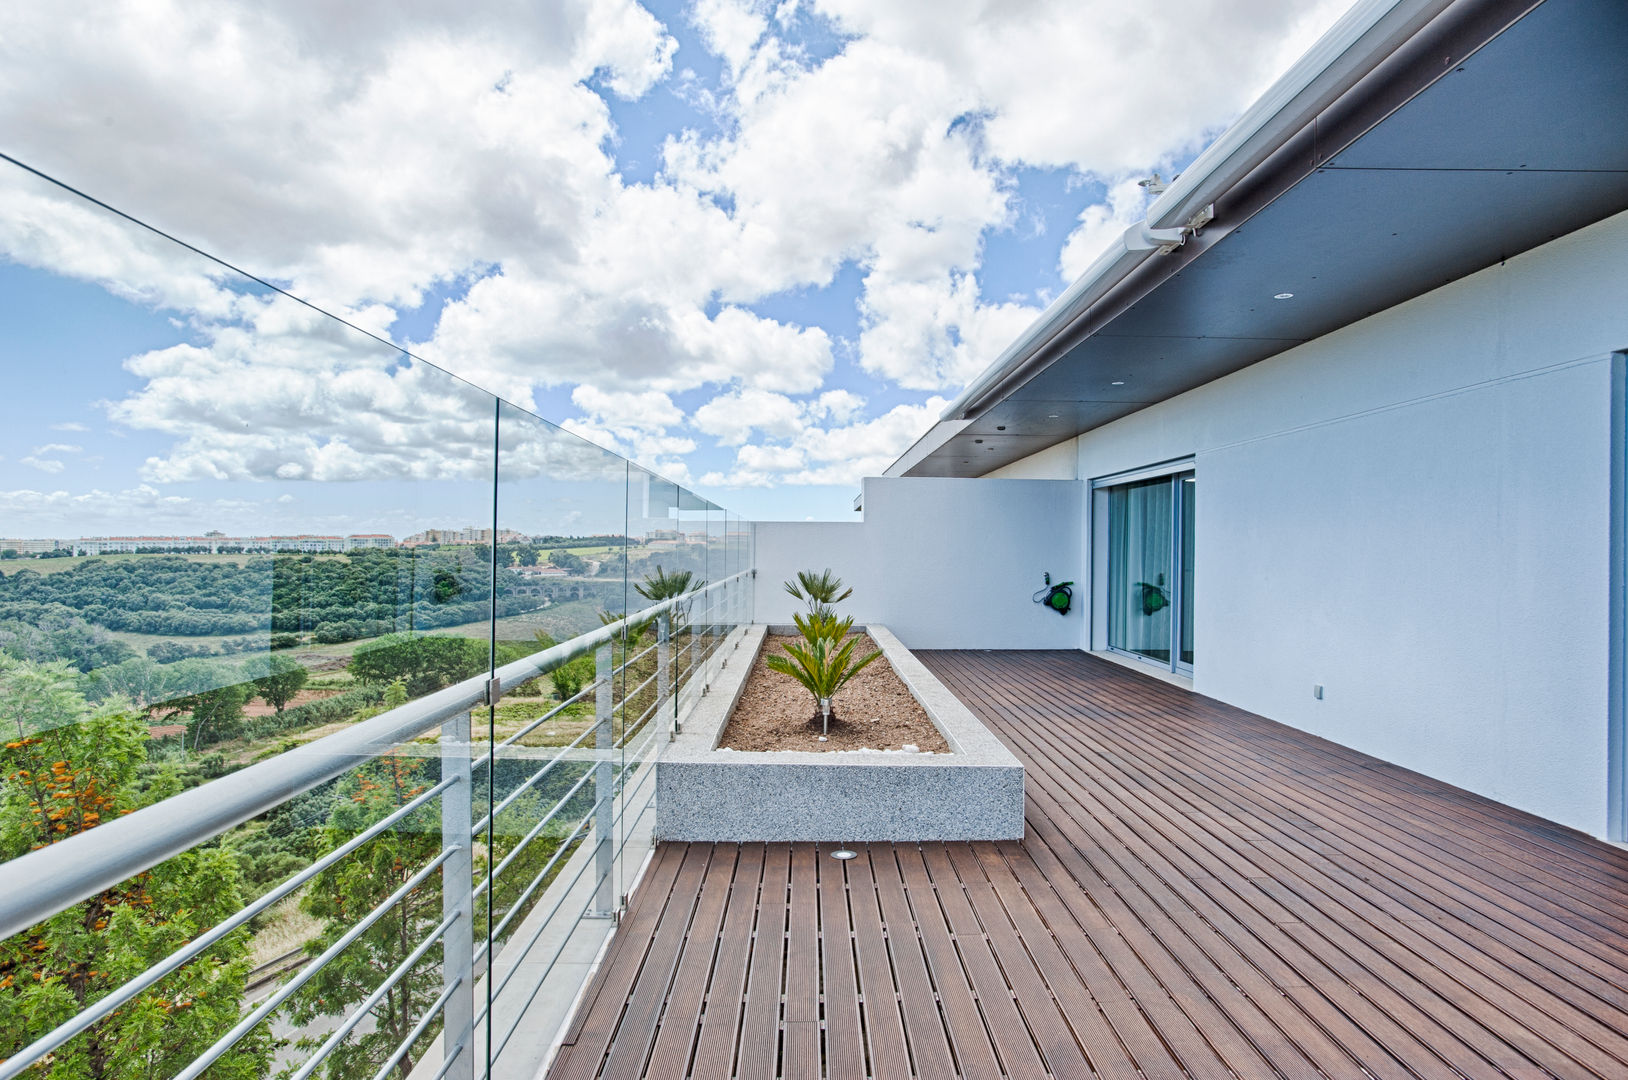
x: 216, y: 713
x: 422, y: 664
x: 283, y: 679
x: 565, y: 560
x: 69, y: 767
x: 355, y: 886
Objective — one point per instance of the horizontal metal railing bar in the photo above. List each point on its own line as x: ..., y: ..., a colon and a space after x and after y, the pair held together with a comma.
x: 480, y: 827
x: 535, y: 724
x: 449, y: 1061
x: 580, y: 695
x: 287, y: 990
x: 400, y: 972
x: 480, y: 1013
x: 418, y: 1029
x: 44, y: 882
x: 587, y: 775
x: 559, y: 949
x: 20, y: 1061
x: 640, y: 655
x: 525, y: 894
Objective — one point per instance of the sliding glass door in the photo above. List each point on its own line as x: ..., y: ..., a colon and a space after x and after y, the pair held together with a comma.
x: 1150, y: 569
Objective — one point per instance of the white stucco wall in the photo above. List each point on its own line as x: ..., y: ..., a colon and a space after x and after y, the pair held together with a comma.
x: 1413, y: 512
x: 944, y: 564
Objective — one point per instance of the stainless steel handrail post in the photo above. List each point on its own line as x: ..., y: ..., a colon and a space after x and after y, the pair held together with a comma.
x: 457, y: 896
x: 604, y: 905
x: 664, y: 675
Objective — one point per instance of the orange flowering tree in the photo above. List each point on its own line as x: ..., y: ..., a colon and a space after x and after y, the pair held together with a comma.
x: 65, y: 768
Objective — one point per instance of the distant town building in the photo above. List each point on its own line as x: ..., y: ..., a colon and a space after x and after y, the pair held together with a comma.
x: 33, y: 547
x: 467, y: 535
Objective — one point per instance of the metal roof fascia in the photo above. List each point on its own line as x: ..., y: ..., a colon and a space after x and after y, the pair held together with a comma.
x: 1353, y: 47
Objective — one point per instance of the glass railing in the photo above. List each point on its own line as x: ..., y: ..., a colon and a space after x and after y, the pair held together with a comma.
x: 332, y: 687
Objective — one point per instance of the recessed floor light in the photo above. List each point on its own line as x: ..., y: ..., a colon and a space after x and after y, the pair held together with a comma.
x: 844, y: 854
x: 1284, y: 296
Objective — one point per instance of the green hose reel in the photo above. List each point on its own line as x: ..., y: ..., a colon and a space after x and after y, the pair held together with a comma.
x: 1058, y: 598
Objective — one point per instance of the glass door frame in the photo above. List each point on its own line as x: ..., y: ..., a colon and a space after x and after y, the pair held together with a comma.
x: 1176, y: 472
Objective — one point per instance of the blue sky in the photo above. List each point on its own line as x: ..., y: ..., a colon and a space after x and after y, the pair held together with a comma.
x: 753, y: 246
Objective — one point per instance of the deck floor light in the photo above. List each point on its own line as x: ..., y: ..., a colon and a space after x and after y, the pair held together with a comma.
x: 844, y: 854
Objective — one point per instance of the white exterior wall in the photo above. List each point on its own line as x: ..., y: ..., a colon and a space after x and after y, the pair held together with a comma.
x: 944, y: 564
x: 1413, y: 512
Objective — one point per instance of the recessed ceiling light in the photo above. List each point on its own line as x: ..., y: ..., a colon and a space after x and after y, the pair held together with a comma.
x: 1119, y: 382
x: 1284, y: 296
x: 977, y: 440
x: 1000, y: 427
x: 1051, y: 416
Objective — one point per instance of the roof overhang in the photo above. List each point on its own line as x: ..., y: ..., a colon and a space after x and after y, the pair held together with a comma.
x: 1421, y: 141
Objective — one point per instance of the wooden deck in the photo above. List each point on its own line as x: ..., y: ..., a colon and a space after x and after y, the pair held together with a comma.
x: 1201, y: 893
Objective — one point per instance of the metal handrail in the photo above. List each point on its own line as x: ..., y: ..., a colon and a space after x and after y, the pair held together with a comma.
x: 44, y: 882
x: 23, y: 1059
x: 288, y: 989
x: 491, y: 876
x: 400, y: 972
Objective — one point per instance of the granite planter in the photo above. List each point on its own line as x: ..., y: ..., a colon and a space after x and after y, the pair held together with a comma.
x: 975, y: 792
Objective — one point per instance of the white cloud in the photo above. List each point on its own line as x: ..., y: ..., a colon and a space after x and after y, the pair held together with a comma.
x: 731, y: 418
x: 367, y: 153
x: 1100, y: 223
x: 48, y: 458
x: 649, y: 411
x: 1097, y: 85
x: 831, y: 455
x: 69, y: 425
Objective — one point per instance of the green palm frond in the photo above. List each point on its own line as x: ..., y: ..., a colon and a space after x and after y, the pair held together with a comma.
x: 822, y: 662
x: 821, y: 591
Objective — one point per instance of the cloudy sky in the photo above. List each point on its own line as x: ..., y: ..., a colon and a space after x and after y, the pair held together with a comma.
x: 754, y: 246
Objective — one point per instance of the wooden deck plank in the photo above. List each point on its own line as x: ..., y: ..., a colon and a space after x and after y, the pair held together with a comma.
x: 1202, y: 892
x: 1019, y: 1056
x: 884, y: 1021
x: 839, y: 994
x: 1108, y: 1056
x: 760, y: 1015
x: 1381, y: 1060
x: 1372, y: 905
x: 628, y: 1052
x: 927, y: 1011
x: 726, y: 993
x: 801, y: 1059
x: 681, y: 1018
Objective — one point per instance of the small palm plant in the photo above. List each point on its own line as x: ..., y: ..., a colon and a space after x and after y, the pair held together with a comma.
x: 823, y: 662
x: 664, y: 586
x: 821, y: 592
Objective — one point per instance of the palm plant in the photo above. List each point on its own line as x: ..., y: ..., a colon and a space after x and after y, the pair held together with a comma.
x: 821, y: 592
x: 664, y: 586
x: 823, y: 662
